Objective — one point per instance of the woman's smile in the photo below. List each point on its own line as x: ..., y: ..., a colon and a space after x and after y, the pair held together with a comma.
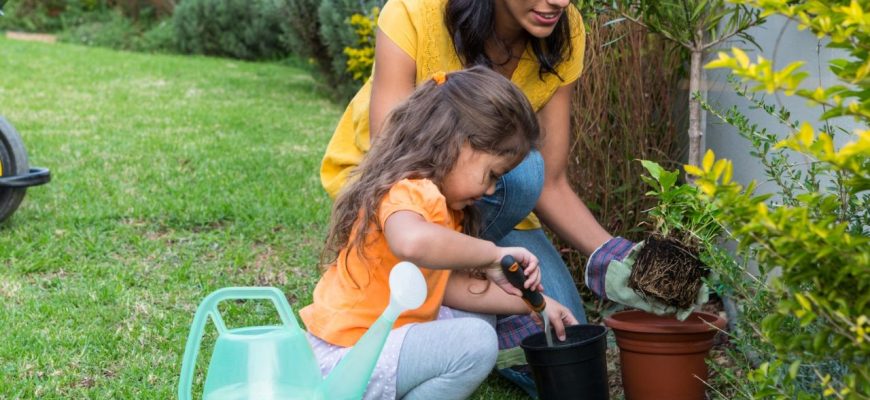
x: 547, y: 18
x: 538, y: 18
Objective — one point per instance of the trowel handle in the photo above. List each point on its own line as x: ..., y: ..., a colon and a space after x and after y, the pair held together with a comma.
x: 207, y: 308
x: 515, y: 276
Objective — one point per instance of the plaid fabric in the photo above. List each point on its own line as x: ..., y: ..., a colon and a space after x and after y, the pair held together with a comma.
x: 513, y: 329
x: 596, y: 269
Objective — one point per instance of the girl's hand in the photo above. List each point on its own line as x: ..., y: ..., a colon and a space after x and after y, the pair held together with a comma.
x: 526, y: 260
x: 559, y: 316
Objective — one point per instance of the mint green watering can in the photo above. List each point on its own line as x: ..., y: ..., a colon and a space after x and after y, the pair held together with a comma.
x: 276, y: 362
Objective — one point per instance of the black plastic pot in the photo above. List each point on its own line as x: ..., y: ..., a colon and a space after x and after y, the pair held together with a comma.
x: 573, y: 369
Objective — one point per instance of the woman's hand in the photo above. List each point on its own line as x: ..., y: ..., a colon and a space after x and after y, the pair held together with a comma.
x: 559, y: 316
x: 526, y: 260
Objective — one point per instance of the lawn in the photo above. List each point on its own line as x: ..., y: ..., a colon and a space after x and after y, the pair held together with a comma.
x: 172, y: 177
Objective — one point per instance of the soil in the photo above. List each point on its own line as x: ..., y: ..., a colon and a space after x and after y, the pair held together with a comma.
x: 668, y: 271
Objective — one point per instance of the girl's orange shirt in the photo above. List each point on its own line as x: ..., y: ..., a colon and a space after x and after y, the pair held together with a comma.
x: 417, y: 27
x: 354, y: 292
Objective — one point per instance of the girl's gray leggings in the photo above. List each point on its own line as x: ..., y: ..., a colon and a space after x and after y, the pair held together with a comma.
x: 448, y: 358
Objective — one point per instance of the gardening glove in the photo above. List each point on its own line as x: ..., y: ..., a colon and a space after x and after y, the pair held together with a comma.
x: 607, y: 274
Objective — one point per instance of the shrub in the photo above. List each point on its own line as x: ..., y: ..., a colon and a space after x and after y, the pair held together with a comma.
x: 159, y: 38
x: 114, y: 31
x: 819, y: 233
x: 337, y: 33
x: 119, y: 24
x: 300, y: 32
x: 361, y: 56
x: 232, y: 28
x: 136, y: 9
x: 34, y: 15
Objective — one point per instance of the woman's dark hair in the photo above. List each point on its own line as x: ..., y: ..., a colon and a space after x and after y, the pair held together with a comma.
x: 472, y: 22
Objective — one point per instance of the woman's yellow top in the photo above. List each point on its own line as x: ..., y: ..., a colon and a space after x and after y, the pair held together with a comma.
x: 417, y: 27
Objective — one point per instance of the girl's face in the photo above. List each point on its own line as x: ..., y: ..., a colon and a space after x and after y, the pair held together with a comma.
x: 473, y: 176
x: 537, y: 17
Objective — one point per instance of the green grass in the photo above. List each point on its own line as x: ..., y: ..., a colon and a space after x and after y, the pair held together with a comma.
x: 172, y: 177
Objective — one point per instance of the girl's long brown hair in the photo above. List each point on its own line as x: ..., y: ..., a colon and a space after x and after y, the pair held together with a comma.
x: 422, y: 138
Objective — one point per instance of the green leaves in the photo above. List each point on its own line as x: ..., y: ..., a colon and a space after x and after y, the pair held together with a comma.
x: 818, y: 236
x: 665, y: 179
x: 680, y: 212
x: 361, y: 56
x: 847, y: 25
x: 694, y: 24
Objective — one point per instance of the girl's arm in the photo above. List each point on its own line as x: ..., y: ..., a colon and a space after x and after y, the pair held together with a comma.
x: 412, y: 238
x: 394, y: 78
x: 476, y: 295
x: 558, y: 199
x: 469, y: 294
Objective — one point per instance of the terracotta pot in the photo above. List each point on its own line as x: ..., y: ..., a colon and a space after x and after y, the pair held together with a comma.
x: 663, y: 358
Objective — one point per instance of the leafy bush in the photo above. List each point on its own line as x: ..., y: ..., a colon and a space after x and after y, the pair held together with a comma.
x: 233, y: 28
x: 300, y: 32
x: 119, y: 32
x: 337, y: 33
x: 114, y: 31
x: 818, y: 236
x: 137, y: 9
x: 323, y: 31
x: 361, y: 56
x: 119, y: 24
x: 39, y: 15
x: 159, y: 38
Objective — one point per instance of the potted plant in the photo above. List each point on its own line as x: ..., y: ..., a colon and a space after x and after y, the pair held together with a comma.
x: 663, y: 357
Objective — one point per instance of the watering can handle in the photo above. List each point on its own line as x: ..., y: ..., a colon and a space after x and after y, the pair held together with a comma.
x: 207, y: 308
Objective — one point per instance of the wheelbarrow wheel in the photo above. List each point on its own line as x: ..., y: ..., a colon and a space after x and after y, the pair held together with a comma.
x: 13, y: 161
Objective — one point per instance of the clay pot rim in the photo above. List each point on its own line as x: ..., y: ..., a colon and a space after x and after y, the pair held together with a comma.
x: 628, y: 321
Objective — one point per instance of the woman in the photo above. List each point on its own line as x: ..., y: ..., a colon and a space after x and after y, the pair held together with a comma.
x: 538, y: 45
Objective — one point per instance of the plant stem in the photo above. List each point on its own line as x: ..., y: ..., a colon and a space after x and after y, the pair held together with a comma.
x: 695, y: 132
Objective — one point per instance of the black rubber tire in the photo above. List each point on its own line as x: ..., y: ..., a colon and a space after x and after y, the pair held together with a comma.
x: 13, y: 159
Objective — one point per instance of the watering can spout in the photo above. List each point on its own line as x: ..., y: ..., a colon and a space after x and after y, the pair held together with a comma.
x: 349, y: 379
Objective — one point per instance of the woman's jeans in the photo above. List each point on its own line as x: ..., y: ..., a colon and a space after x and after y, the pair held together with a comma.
x: 515, y: 197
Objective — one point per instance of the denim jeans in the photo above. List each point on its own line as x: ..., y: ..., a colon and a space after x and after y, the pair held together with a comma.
x: 515, y: 197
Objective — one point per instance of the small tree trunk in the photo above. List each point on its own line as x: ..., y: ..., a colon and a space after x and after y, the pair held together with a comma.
x: 695, y: 132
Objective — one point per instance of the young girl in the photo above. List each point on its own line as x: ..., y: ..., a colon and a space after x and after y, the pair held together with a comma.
x: 412, y: 198
x: 538, y: 45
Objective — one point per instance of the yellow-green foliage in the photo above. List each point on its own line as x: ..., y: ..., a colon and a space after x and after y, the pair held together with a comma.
x: 820, y: 241
x: 361, y: 57
x: 847, y: 26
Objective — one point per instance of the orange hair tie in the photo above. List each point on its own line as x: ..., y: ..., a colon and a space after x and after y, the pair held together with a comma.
x: 439, y: 77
